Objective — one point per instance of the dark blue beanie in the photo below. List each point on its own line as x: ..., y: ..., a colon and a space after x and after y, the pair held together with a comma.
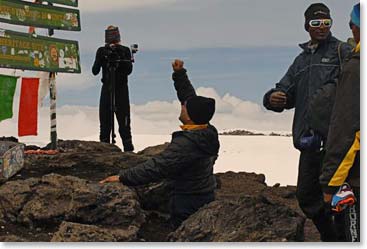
x: 355, y: 15
x: 200, y: 109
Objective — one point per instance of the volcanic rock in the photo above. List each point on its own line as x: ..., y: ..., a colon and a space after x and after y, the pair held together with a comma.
x: 58, y: 198
x: 47, y: 201
x: 248, y: 219
x: 74, y: 232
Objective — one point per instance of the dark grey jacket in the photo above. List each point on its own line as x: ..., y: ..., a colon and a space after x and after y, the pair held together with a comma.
x: 125, y: 66
x: 341, y: 161
x: 309, y: 71
x: 188, y: 162
x: 189, y: 159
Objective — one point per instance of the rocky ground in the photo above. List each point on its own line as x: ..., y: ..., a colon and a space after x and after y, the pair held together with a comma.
x: 58, y: 198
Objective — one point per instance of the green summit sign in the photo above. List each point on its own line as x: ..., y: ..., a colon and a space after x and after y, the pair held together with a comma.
x: 73, y: 3
x: 39, y: 15
x: 40, y: 53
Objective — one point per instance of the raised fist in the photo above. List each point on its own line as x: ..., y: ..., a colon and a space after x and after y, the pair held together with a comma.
x: 177, y: 65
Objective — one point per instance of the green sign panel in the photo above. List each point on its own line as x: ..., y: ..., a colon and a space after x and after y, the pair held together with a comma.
x: 39, y: 15
x: 65, y: 2
x: 40, y: 53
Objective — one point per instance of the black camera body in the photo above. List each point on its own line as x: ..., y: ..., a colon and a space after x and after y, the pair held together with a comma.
x: 134, y: 48
x: 114, y: 56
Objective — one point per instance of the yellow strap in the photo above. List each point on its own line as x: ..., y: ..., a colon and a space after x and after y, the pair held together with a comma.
x: 358, y: 47
x: 342, y: 173
x: 193, y: 127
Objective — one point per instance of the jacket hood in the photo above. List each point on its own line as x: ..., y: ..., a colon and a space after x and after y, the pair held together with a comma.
x: 206, y: 139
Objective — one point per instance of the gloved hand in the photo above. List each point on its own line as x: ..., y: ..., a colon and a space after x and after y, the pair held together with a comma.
x: 311, y: 142
x: 343, y: 198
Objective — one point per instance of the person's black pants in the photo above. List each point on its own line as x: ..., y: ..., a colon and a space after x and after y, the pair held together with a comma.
x: 182, y: 206
x: 122, y: 113
x: 310, y: 196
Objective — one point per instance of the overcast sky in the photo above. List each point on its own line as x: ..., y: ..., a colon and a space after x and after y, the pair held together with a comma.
x: 246, y: 27
x: 181, y: 24
x: 172, y: 25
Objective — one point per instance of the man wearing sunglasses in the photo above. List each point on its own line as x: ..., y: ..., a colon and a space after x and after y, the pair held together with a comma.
x: 317, y: 66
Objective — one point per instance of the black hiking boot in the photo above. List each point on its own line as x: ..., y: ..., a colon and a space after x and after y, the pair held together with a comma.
x: 128, y: 145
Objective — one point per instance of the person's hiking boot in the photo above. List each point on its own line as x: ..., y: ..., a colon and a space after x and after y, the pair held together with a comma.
x: 128, y: 145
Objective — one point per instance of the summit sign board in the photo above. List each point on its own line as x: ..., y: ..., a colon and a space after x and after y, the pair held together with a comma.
x: 39, y: 15
x: 73, y: 3
x: 39, y: 53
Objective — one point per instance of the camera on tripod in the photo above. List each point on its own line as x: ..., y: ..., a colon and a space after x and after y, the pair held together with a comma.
x: 134, y: 48
x: 113, y: 54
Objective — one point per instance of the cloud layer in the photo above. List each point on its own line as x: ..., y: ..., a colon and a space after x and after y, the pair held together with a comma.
x: 157, y: 117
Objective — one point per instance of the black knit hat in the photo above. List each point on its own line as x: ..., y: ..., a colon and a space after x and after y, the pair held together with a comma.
x: 200, y: 109
x: 316, y: 11
x: 112, y: 35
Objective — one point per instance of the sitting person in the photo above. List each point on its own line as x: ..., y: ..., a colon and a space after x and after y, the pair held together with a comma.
x: 188, y: 160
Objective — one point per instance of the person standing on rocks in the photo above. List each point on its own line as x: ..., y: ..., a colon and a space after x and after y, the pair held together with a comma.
x: 189, y: 159
x: 341, y: 162
x: 317, y: 66
x: 113, y: 54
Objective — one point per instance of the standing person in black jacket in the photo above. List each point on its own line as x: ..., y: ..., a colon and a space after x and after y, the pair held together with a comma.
x: 189, y: 159
x: 105, y: 56
x: 317, y: 66
x: 341, y: 162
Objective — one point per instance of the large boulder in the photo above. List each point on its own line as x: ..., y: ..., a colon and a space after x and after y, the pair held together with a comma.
x: 57, y: 197
x: 52, y: 199
x: 87, y: 160
x: 248, y: 219
x: 235, y: 185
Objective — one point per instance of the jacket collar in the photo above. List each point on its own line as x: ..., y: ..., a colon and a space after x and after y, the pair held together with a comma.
x: 193, y: 127
x: 329, y: 39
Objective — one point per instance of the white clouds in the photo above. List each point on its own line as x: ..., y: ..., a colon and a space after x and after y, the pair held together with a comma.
x: 158, y: 117
x: 119, y: 5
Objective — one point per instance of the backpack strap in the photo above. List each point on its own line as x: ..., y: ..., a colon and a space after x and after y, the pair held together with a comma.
x: 341, y: 59
x: 340, y: 56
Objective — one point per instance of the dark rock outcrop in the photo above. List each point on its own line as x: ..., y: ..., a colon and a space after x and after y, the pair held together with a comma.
x: 241, y: 133
x: 87, y: 160
x: 248, y: 219
x: 47, y: 201
x: 58, y: 198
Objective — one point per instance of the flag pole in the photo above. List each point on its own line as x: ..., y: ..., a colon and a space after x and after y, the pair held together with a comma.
x: 53, y: 134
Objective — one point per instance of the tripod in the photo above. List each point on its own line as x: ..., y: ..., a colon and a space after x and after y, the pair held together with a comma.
x: 112, y: 67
